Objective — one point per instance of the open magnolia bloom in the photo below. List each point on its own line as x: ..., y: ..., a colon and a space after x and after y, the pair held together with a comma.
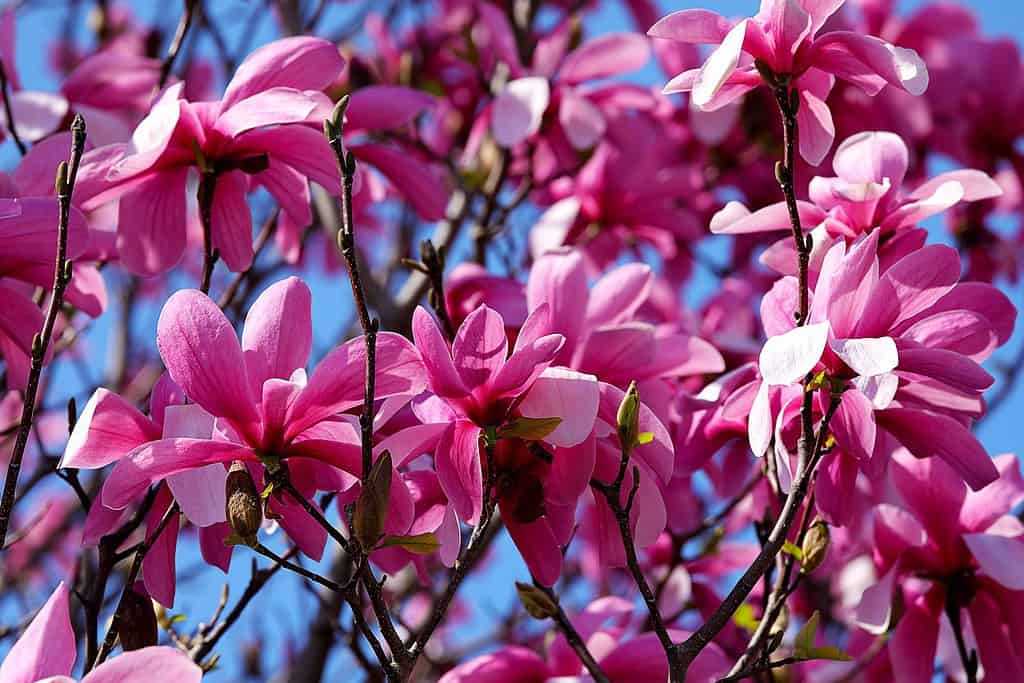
x: 948, y: 548
x: 784, y: 39
x: 867, y: 193
x: 46, y: 651
x: 901, y: 347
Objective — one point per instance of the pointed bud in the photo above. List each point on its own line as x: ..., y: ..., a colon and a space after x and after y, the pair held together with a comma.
x: 61, y: 183
x: 628, y: 418
x: 242, y: 503
x: 338, y: 115
x: 371, y: 511
x: 815, y: 546
x: 537, y: 603
x: 136, y: 621
x: 72, y: 414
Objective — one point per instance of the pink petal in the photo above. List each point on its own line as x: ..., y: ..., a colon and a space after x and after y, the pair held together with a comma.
x: 107, y: 429
x: 203, y: 356
x: 732, y: 221
x: 618, y: 294
x: 383, y: 107
x: 138, y: 666
x: 278, y: 332
x: 868, y: 357
x: 945, y: 196
x: 719, y: 66
x: 571, y: 470
x: 518, y: 110
x: 337, y: 383
x: 443, y: 379
x: 583, y: 123
x: 302, y: 62
x: 200, y: 491
x: 948, y: 367
x: 277, y: 106
x: 927, y: 434
x: 47, y: 647
x: 976, y: 185
x: 419, y: 183
x: 458, y: 469
x: 874, y: 613
x: 151, y: 223
x: 480, y: 347
x: 788, y: 357
x: 567, y: 394
x: 817, y: 131
x: 158, y: 567
x: 231, y: 221
x: 872, y: 157
x: 557, y: 279
x: 982, y: 508
x: 857, y: 58
x: 156, y: 460
x: 910, y: 286
x: 611, y: 54
x: 854, y: 425
x: 552, y: 227
x: 692, y: 26
x: 1000, y: 557
x: 539, y: 548
x: 912, y: 644
x: 996, y: 643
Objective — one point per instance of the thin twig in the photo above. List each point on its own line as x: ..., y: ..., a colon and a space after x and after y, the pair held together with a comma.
x: 129, y: 582
x: 40, y: 343
x: 179, y: 39
x: 572, y: 636
x: 9, y: 110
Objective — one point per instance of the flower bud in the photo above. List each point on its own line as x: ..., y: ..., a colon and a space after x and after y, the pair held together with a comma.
x: 628, y: 418
x: 536, y: 602
x: 815, y: 546
x: 242, y: 503
x: 136, y: 621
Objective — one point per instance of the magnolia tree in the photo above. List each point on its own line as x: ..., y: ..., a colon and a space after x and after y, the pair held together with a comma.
x: 518, y: 445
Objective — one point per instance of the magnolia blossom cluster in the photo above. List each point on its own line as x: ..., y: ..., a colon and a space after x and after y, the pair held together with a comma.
x: 427, y: 305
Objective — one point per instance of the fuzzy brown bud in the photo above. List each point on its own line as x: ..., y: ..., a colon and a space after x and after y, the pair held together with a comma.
x: 136, y: 621
x: 242, y: 503
x: 815, y: 546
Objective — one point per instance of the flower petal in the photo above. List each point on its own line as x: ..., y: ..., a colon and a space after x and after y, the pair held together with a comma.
x: 786, y: 358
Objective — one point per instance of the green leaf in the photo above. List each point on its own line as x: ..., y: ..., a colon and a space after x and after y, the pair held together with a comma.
x: 793, y: 549
x: 804, y: 648
x: 528, y: 428
x: 829, y: 652
x: 421, y: 544
x: 745, y: 619
x: 644, y: 437
x: 372, y: 505
x: 804, y: 642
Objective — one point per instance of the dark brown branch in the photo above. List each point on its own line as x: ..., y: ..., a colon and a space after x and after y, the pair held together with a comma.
x: 573, y: 637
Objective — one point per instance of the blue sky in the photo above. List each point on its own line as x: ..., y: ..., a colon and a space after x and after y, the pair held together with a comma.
x: 285, y: 617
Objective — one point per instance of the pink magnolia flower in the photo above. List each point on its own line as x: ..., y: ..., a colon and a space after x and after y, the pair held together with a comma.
x: 478, y: 387
x: 946, y: 548
x: 604, y: 211
x: 784, y: 38
x: 865, y: 195
x: 256, y: 135
x: 262, y: 406
x: 902, y: 343
x: 604, y: 627
x: 47, y: 651
x: 557, y: 79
